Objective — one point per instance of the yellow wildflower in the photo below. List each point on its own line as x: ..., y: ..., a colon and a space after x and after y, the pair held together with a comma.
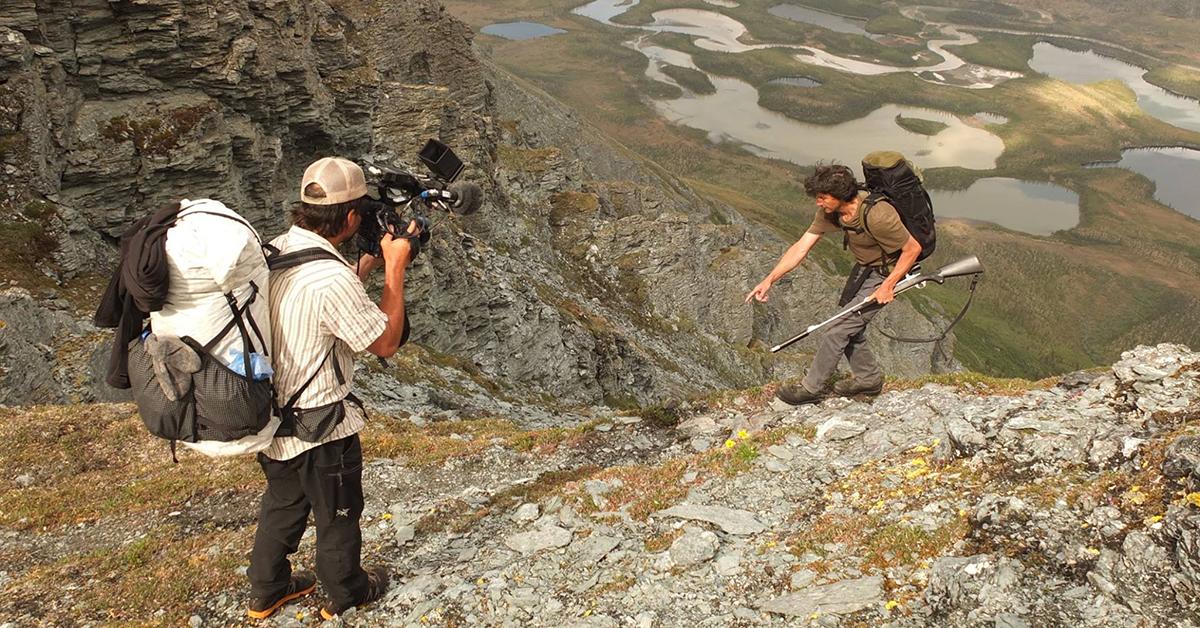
x: 387, y: 515
x: 1093, y: 551
x: 729, y: 444
x: 891, y: 605
x: 1194, y: 499
x: 1153, y: 520
x: 743, y: 434
x: 915, y: 473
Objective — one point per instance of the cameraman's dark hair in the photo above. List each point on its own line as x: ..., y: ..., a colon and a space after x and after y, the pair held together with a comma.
x: 835, y: 180
x: 325, y: 220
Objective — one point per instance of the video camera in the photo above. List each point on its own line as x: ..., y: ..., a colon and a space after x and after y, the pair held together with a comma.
x: 402, y: 196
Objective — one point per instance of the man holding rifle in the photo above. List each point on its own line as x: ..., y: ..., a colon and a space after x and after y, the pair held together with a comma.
x: 884, y: 251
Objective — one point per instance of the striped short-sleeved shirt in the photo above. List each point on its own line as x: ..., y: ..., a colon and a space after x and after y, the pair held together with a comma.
x: 315, y: 307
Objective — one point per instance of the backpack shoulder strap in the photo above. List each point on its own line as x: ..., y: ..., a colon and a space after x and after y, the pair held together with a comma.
x: 284, y: 261
x: 885, y: 259
x: 871, y: 201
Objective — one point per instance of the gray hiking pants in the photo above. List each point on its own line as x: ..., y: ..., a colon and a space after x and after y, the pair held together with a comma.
x: 847, y: 336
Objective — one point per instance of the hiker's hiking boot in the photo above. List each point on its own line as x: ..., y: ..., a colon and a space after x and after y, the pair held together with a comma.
x: 854, y: 386
x: 377, y: 584
x: 301, y: 584
x: 798, y: 395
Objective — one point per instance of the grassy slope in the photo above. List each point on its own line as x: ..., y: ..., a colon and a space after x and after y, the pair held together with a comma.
x: 136, y: 558
x: 1124, y: 275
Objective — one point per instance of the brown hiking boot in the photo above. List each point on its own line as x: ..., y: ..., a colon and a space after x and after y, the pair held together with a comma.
x: 797, y: 395
x: 852, y: 386
x: 301, y: 584
x: 377, y: 584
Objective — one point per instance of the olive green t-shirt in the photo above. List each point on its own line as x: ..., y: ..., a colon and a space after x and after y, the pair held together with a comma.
x: 884, y: 224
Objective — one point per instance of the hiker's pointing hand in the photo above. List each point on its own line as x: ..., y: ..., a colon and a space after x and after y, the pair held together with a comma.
x: 759, y: 293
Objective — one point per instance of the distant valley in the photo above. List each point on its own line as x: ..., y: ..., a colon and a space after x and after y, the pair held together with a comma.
x: 1062, y: 159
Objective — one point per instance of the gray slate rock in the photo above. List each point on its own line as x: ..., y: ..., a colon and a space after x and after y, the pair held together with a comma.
x: 694, y: 547
x: 527, y: 512
x: 839, y: 429
x: 405, y: 533
x: 781, y: 452
x: 419, y: 588
x: 840, y: 598
x: 594, y: 548
x: 537, y: 540
x: 732, y: 521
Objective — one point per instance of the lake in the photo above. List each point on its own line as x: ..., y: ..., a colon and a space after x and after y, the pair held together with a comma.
x: 1089, y: 67
x: 1031, y: 207
x: 830, y: 21
x: 520, y: 30
x: 796, y: 81
x: 1174, y: 172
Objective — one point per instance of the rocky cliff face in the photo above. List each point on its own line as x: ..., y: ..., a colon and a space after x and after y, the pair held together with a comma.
x: 589, y: 277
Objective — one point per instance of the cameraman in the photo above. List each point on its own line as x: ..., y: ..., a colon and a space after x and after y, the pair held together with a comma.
x: 321, y: 316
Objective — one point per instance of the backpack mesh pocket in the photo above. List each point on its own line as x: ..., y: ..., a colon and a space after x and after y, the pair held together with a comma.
x: 228, y: 405
x: 312, y: 424
x: 222, y: 405
x: 173, y: 420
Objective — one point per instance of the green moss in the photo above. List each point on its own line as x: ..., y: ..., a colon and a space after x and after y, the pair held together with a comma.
x: 24, y: 244
x: 158, y: 134
x: 567, y: 206
x: 12, y: 146
x: 531, y: 160
x: 668, y: 415
x: 921, y: 126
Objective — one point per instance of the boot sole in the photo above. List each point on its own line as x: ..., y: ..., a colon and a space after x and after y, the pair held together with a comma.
x: 263, y: 614
x: 864, y: 393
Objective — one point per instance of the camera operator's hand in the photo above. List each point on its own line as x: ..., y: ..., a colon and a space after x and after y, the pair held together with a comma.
x: 399, y: 250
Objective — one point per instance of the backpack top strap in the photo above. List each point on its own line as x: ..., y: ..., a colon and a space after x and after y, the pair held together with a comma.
x: 184, y: 213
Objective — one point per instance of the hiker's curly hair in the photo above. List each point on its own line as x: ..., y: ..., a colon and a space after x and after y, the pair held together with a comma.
x: 324, y: 220
x: 835, y: 180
